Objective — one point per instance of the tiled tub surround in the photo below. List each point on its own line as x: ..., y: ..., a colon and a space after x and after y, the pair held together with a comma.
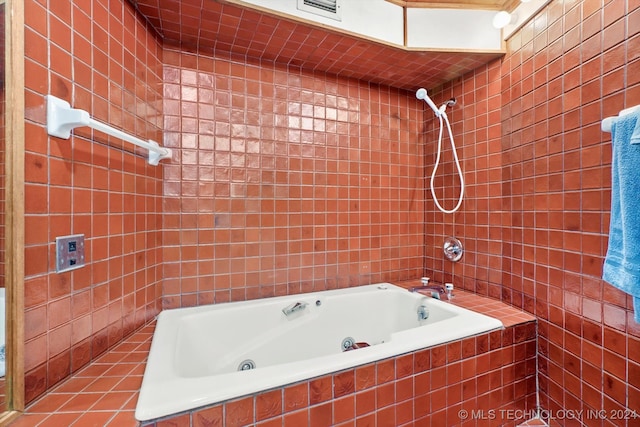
x: 491, y: 371
x: 194, y: 362
x: 494, y: 371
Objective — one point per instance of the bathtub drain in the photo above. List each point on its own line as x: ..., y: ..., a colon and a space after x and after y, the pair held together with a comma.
x: 245, y: 365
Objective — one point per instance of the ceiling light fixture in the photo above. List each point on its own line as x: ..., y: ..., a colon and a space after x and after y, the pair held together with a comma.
x: 503, y: 18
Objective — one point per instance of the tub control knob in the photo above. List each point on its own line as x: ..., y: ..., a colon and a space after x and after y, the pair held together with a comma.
x: 452, y: 249
x: 449, y: 288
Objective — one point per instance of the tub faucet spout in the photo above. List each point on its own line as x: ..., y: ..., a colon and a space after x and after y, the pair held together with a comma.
x: 292, y: 308
x: 434, y: 291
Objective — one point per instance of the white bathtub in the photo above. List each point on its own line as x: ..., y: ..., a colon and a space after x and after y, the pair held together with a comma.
x: 196, y: 352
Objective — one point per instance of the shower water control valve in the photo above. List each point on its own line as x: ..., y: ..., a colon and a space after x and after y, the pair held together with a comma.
x: 452, y: 249
x: 69, y: 252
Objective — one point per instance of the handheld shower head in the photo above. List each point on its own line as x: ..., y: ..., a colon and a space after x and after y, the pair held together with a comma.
x: 422, y: 94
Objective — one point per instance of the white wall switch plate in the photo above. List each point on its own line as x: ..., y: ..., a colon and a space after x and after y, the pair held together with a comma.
x: 69, y: 252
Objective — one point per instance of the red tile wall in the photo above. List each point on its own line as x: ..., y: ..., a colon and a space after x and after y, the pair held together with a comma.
x: 475, y: 122
x: 536, y: 221
x: 286, y: 181
x: 102, y: 57
x: 479, y: 381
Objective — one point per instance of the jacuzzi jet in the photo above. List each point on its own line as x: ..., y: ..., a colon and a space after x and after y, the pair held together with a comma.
x: 245, y: 365
x: 350, y: 344
x: 347, y: 343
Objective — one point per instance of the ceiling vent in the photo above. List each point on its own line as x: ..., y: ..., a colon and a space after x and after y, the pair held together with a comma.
x: 327, y: 8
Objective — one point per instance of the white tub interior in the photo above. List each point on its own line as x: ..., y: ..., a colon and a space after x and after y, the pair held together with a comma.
x: 196, y: 352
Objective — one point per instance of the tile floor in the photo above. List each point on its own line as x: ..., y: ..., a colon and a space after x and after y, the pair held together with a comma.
x: 102, y: 394
x: 105, y: 392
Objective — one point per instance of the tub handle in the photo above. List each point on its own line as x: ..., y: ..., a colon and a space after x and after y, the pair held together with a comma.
x: 292, y: 308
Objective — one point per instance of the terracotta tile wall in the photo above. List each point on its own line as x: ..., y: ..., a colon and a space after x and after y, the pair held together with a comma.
x: 475, y: 122
x: 102, y: 57
x: 543, y: 199
x: 286, y: 181
x: 459, y: 383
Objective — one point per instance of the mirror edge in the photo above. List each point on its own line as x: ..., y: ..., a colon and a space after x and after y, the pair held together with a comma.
x: 14, y: 206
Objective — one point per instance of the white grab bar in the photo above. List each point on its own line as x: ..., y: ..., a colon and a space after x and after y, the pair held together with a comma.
x: 61, y: 119
x: 608, y: 122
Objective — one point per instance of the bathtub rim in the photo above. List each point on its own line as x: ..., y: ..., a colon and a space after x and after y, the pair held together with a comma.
x: 157, y: 397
